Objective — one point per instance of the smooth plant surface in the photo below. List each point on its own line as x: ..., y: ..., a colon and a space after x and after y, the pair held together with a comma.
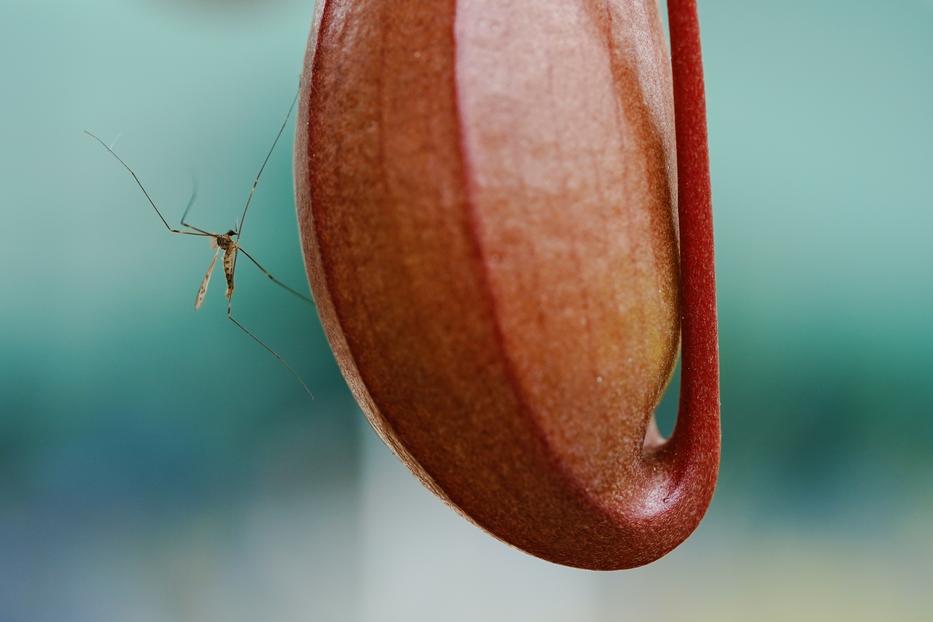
x: 487, y: 198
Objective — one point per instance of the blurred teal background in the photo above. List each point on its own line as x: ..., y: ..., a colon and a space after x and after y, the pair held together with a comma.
x: 157, y: 465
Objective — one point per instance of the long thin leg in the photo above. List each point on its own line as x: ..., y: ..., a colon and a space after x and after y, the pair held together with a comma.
x: 268, y: 349
x: 249, y: 199
x: 273, y: 279
x: 145, y: 192
x: 194, y: 197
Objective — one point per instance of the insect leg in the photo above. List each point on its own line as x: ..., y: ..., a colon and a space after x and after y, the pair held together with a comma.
x: 145, y: 192
x: 194, y: 197
x: 272, y: 278
x: 268, y: 349
x: 249, y: 198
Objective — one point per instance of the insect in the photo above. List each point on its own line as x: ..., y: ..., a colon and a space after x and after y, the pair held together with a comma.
x: 226, y: 243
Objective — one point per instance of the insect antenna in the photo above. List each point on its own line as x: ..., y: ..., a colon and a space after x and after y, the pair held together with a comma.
x: 143, y: 188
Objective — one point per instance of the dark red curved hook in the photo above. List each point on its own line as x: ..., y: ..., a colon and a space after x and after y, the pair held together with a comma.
x: 698, y: 426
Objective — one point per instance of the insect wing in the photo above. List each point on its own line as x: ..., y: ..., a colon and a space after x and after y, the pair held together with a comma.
x: 202, y: 291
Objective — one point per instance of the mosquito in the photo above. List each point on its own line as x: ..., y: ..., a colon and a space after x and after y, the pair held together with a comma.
x: 227, y: 244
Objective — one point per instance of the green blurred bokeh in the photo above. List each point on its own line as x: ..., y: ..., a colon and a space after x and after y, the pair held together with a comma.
x: 157, y: 465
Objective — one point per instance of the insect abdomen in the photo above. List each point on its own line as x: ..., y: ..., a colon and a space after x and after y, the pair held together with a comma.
x: 229, y: 261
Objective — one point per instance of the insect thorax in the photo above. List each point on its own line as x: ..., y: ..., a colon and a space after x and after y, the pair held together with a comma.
x: 224, y: 241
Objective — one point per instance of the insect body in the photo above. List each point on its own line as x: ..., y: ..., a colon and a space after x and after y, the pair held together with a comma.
x: 227, y: 243
x: 228, y: 246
